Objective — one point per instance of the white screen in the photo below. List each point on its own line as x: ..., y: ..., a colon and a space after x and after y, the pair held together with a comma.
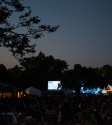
x: 54, y: 85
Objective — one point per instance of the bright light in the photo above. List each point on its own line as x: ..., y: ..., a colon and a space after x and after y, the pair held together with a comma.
x: 94, y: 90
x: 54, y: 85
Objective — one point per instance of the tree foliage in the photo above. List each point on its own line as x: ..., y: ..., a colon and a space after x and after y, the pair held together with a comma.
x: 83, y: 77
x: 3, y: 72
x: 19, y: 43
x: 40, y: 69
x: 106, y: 72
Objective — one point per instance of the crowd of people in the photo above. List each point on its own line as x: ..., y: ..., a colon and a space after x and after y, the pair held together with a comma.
x: 58, y: 109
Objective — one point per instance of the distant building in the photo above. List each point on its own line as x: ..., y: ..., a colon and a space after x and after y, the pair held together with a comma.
x: 8, y: 90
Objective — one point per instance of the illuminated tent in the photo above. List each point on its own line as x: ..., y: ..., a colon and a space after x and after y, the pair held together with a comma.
x: 104, y: 91
x: 33, y: 91
x: 109, y: 87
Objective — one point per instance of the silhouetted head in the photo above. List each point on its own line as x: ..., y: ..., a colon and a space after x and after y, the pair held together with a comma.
x: 68, y: 122
x: 7, y: 108
x: 34, y: 121
x: 84, y: 122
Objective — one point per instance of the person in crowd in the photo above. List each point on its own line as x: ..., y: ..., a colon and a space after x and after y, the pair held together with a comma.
x: 22, y: 115
x: 88, y: 115
x: 84, y: 122
x: 33, y: 121
x: 50, y: 110
x: 28, y: 116
x: 69, y: 122
x: 106, y: 118
x: 7, y: 111
x: 15, y: 113
x: 66, y: 112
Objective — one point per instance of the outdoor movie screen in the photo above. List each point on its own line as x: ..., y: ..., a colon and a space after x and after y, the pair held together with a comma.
x: 54, y: 85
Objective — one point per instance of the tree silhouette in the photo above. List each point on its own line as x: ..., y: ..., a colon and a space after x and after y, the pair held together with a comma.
x: 3, y: 72
x: 10, y: 37
x: 41, y: 69
x: 84, y: 77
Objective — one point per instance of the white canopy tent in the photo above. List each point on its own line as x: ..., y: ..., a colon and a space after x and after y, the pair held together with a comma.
x: 33, y: 91
x: 108, y: 89
x: 104, y: 91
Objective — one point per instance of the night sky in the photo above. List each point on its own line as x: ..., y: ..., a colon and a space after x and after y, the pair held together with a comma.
x: 84, y: 36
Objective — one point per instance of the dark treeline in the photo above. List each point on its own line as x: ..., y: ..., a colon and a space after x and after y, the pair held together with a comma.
x: 37, y: 71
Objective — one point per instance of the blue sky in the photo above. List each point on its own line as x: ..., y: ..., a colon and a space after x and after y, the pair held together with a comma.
x: 84, y: 36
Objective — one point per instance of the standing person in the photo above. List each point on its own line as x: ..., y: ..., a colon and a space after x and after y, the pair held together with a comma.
x: 66, y: 112
x: 88, y: 116
x: 15, y: 113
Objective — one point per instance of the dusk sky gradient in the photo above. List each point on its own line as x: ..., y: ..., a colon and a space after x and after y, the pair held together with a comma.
x: 84, y: 36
